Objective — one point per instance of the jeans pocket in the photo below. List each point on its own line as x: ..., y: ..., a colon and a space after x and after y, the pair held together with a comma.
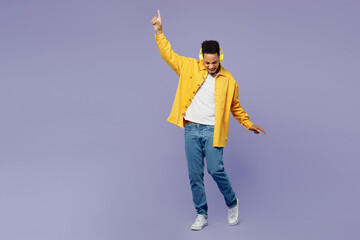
x: 188, y: 129
x: 210, y: 128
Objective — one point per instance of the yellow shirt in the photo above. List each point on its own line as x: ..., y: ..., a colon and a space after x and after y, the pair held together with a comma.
x: 192, y: 75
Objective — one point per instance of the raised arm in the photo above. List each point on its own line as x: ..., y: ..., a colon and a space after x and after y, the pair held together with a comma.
x: 175, y: 61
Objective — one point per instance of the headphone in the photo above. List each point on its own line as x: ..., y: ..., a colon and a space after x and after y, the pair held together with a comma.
x: 221, y: 56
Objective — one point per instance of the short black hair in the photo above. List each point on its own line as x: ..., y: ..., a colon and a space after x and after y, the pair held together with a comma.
x: 210, y: 46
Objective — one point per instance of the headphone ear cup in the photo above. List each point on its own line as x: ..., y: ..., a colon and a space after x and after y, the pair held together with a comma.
x: 201, y: 57
x: 221, y: 56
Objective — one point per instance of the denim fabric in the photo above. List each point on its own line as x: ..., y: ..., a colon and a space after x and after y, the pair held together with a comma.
x: 199, y: 144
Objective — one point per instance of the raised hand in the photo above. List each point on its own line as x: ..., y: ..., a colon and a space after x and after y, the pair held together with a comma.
x: 156, y: 22
x: 256, y: 129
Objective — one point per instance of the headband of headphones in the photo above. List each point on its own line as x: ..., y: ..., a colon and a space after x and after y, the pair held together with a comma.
x: 221, y: 56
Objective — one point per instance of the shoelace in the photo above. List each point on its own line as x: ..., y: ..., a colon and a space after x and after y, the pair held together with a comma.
x: 231, y: 212
x: 198, y: 219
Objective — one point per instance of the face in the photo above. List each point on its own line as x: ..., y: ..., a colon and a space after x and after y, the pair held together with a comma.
x: 212, y: 63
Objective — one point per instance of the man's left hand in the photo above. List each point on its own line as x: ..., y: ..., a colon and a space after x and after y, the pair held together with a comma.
x: 256, y: 129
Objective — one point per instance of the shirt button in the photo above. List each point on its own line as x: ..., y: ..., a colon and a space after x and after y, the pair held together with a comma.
x: 198, y: 84
x: 193, y: 92
x: 190, y: 100
x: 185, y: 106
x: 190, y: 77
x: 203, y: 77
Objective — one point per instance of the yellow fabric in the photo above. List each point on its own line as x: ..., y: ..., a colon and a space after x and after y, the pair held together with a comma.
x: 192, y: 74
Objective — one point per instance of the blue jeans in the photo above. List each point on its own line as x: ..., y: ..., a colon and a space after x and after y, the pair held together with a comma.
x: 199, y: 144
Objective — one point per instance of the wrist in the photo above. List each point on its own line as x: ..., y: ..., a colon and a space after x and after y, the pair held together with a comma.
x: 159, y: 32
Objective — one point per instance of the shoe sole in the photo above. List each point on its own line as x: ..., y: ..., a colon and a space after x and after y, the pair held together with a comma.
x: 232, y: 224
x: 198, y: 229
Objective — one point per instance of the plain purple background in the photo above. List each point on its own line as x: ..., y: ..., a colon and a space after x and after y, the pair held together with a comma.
x: 86, y: 151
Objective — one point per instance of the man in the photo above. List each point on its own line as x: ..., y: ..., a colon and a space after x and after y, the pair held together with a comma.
x: 205, y: 96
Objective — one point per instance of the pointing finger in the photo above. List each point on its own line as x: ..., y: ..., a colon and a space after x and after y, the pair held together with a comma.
x: 159, y: 15
x: 262, y: 130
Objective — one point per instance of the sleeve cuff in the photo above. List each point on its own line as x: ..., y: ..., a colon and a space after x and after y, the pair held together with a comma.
x: 248, y: 125
x: 159, y: 36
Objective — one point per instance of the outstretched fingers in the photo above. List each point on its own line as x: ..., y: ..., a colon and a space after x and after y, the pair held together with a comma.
x: 256, y: 129
x: 259, y: 128
x: 159, y: 15
x: 157, y: 19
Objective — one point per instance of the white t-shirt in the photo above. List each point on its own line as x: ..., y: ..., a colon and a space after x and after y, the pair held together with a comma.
x: 202, y: 107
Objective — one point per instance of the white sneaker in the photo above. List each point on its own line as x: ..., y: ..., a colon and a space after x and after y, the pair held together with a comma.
x: 200, y: 222
x: 233, y: 214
